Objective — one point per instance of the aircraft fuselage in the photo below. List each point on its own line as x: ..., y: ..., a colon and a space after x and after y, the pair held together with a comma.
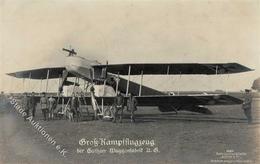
x: 80, y: 66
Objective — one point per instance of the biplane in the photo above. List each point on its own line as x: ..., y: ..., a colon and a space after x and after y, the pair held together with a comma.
x: 107, y: 80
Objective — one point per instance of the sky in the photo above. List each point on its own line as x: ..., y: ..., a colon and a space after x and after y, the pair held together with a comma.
x: 33, y: 32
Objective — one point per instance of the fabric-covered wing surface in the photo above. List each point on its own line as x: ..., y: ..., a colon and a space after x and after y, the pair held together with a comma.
x: 54, y: 72
x: 175, y: 68
x: 159, y: 100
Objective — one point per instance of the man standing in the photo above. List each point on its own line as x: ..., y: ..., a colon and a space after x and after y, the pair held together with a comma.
x: 26, y: 105
x: 44, y: 105
x: 74, y: 107
x: 52, y: 103
x: 119, y: 105
x: 131, y: 106
x: 33, y: 104
x: 93, y: 101
x: 247, y: 105
x: 2, y: 98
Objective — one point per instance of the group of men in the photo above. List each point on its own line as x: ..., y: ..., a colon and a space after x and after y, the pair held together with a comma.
x: 119, y: 104
x: 29, y: 104
x: 47, y: 105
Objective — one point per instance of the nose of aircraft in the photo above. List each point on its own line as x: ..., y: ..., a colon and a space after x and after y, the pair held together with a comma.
x: 78, y: 65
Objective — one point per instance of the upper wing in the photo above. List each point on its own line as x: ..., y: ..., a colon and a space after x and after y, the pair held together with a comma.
x: 175, y: 68
x: 54, y: 72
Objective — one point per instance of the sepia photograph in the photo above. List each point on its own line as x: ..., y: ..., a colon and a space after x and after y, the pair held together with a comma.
x: 129, y: 81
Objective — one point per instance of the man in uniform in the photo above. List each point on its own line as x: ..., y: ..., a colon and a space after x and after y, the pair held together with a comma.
x: 131, y: 106
x: 33, y: 104
x: 119, y: 105
x: 26, y: 105
x: 75, y: 107
x: 44, y: 106
x: 247, y: 105
x: 2, y: 98
x: 52, y: 104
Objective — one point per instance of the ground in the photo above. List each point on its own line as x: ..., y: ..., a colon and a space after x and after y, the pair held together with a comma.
x: 183, y: 138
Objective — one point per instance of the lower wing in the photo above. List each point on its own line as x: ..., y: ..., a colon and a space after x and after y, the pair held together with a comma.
x: 167, y: 103
x: 158, y: 100
x: 214, y: 99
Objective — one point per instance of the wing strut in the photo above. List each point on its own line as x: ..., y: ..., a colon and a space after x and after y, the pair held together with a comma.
x: 141, y: 84
x: 23, y: 84
x: 128, y: 80
x: 168, y: 69
x: 117, y: 82
x: 104, y: 85
x: 227, y: 80
x: 30, y: 75
x: 48, y: 73
x: 58, y: 93
x: 179, y: 85
x: 41, y: 86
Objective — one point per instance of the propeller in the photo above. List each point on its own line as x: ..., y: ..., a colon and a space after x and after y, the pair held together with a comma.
x: 71, y: 52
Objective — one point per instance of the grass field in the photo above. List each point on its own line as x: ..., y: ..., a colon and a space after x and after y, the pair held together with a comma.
x: 183, y: 138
